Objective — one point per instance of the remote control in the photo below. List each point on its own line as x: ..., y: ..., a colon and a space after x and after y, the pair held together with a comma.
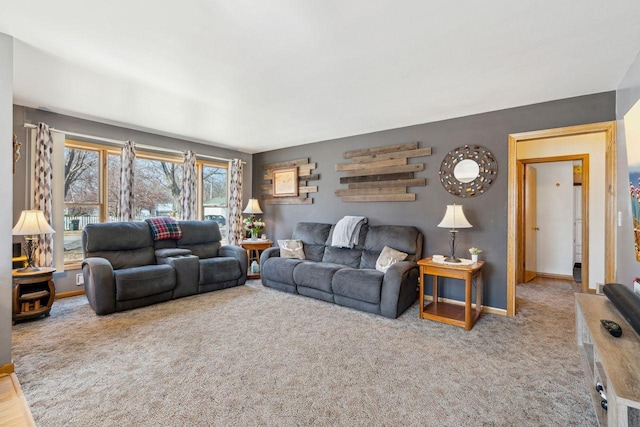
x: 611, y: 326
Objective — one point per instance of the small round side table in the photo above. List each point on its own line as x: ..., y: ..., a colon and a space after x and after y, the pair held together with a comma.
x: 33, y: 293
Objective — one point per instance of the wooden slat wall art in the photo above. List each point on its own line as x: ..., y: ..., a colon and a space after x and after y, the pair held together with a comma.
x: 381, y: 174
x: 305, y: 175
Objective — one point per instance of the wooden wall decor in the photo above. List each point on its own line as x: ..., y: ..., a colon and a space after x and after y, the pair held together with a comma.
x: 382, y: 174
x: 301, y: 170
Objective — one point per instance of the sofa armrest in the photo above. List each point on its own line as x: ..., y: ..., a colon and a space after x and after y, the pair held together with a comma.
x: 241, y: 255
x: 187, y: 270
x: 99, y: 284
x: 269, y: 253
x: 399, y: 288
x: 171, y: 252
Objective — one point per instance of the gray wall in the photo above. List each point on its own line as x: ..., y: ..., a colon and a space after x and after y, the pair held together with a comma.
x: 65, y: 282
x: 6, y: 133
x: 626, y: 96
x: 487, y: 213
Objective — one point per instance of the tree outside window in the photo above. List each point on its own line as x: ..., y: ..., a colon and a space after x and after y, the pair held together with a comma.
x: 214, y: 196
x: 157, y: 189
x: 81, y: 197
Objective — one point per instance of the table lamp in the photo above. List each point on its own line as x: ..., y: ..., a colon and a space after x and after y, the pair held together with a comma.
x: 31, y: 224
x: 453, y: 219
x: 253, y: 207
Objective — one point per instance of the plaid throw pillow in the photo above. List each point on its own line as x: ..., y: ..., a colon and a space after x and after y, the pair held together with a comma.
x: 164, y: 228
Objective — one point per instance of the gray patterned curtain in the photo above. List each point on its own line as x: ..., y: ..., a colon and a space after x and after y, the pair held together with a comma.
x: 189, y: 186
x: 235, y: 202
x: 127, y: 167
x: 43, y: 192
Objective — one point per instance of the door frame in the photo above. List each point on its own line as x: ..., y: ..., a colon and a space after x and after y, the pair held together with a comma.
x: 584, y: 207
x: 516, y: 191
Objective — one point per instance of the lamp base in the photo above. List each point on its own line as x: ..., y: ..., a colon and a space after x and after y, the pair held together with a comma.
x: 451, y: 259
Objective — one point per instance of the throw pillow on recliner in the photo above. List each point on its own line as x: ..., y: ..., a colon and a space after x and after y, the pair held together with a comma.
x: 388, y: 257
x: 291, y: 249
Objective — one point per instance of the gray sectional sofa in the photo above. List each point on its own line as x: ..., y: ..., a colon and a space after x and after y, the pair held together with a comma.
x: 348, y: 276
x: 125, y: 268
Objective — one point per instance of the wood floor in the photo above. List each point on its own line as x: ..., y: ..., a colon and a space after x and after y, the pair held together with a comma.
x: 14, y: 410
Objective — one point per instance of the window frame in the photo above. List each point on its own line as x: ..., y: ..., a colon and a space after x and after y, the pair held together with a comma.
x: 104, y: 150
x: 159, y: 157
x: 200, y: 165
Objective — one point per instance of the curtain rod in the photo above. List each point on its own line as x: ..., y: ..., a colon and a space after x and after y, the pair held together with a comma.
x: 120, y: 142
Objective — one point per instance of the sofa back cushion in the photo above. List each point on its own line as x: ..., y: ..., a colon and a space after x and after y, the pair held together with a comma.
x: 123, y: 244
x: 165, y: 244
x: 202, y: 238
x: 314, y: 236
x: 345, y: 256
x: 399, y: 237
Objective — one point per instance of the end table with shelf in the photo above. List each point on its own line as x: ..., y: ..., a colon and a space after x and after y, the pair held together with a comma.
x: 253, y: 248
x: 459, y: 315
x: 33, y: 293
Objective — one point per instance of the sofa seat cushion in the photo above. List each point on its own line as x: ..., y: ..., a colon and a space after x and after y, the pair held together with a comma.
x: 316, y: 275
x: 219, y: 269
x: 140, y: 282
x: 279, y: 269
x: 361, y: 284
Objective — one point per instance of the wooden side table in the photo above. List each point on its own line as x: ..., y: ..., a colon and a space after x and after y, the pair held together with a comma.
x: 453, y: 314
x: 33, y: 293
x: 253, y: 248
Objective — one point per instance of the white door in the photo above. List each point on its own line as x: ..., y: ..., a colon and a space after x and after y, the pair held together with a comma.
x: 530, y: 223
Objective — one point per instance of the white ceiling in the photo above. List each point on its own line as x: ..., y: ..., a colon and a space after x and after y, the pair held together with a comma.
x: 256, y: 75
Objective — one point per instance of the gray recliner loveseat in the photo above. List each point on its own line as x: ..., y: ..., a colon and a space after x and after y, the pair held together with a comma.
x: 348, y: 276
x: 125, y: 268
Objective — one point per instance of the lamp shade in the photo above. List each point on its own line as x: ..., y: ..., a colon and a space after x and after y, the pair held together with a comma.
x: 32, y: 222
x: 253, y: 207
x: 454, y: 218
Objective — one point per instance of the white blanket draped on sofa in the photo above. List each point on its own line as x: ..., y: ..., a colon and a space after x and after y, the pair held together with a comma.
x: 347, y: 230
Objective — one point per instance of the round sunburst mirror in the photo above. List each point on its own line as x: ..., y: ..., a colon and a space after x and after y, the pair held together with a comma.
x: 468, y: 170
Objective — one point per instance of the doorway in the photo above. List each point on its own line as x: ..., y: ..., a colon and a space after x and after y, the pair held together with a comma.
x: 555, y: 219
x: 522, y: 146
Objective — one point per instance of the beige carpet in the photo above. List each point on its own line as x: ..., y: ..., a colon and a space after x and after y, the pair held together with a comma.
x: 255, y: 356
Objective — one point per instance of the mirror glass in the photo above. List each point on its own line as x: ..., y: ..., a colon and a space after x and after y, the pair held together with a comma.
x: 466, y: 171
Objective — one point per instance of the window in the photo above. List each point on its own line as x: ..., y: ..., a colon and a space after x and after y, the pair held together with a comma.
x: 213, y: 190
x: 113, y: 186
x: 92, y: 188
x: 158, y: 187
x: 84, y: 192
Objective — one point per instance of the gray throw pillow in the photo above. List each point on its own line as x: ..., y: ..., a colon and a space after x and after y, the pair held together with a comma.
x: 291, y: 249
x: 388, y: 257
